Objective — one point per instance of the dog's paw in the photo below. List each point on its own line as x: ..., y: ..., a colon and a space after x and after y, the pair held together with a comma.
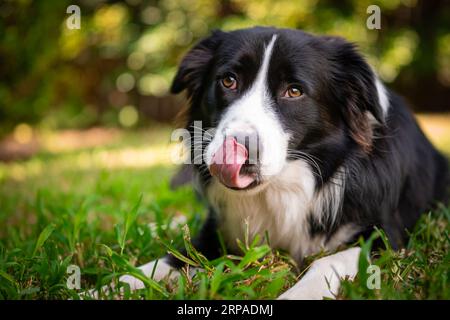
x: 302, y: 293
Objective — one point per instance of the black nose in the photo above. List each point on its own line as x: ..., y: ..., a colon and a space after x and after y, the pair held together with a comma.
x: 250, y: 140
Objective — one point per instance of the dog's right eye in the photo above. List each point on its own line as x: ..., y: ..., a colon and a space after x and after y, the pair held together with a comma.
x: 229, y: 82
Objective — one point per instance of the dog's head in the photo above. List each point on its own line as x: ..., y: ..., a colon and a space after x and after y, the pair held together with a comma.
x: 275, y: 95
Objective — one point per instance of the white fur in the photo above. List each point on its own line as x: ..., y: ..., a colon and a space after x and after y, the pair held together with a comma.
x: 324, y: 276
x: 383, y: 97
x: 281, y: 207
x: 252, y: 113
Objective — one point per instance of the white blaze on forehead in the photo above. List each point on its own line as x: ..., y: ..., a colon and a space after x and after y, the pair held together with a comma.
x: 253, y: 113
x: 261, y: 79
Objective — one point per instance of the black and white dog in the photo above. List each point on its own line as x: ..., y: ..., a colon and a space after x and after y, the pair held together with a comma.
x: 336, y: 152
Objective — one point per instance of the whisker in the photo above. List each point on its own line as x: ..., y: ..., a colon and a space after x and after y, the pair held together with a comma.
x: 309, y: 160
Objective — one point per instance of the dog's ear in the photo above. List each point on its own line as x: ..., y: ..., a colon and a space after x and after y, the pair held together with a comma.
x: 195, y: 64
x: 363, y: 95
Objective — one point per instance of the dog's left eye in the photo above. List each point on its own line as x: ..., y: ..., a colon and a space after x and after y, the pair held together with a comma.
x: 293, y: 92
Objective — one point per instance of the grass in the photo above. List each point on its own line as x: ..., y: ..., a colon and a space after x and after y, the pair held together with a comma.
x: 90, y: 204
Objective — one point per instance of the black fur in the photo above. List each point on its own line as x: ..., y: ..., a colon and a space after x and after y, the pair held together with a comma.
x: 393, y: 174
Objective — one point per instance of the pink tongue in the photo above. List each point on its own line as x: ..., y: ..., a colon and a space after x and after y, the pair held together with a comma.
x: 227, y: 163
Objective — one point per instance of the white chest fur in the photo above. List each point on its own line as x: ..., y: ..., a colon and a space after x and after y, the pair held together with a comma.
x: 280, y: 208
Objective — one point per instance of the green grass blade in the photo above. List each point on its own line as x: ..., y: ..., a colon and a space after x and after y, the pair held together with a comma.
x: 129, y: 220
x: 7, y: 276
x: 43, y: 236
x: 137, y: 273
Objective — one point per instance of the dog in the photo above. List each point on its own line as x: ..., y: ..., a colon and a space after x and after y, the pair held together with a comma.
x: 334, y: 153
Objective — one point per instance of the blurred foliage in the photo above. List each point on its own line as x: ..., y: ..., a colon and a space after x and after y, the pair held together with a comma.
x: 55, y: 77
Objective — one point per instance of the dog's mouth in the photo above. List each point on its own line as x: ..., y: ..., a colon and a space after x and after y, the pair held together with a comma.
x: 230, y: 165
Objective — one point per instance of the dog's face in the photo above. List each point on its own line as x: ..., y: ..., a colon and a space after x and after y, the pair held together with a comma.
x: 275, y: 95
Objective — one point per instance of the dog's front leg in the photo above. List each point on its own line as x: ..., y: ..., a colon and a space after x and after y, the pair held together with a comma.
x: 324, y: 276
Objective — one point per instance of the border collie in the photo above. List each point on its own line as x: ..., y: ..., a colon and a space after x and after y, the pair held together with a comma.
x: 334, y: 152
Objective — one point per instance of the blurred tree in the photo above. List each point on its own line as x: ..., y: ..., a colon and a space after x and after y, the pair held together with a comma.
x: 126, y: 52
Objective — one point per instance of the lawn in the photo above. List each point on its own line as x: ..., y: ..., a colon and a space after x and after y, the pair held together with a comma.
x: 100, y: 200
